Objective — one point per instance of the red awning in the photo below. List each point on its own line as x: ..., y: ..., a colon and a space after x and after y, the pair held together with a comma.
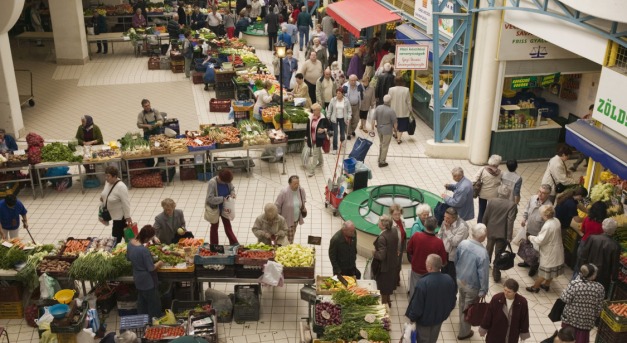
x: 355, y: 15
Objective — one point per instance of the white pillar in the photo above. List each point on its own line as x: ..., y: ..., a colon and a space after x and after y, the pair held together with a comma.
x: 484, y: 84
x: 68, y: 27
x: 10, y: 111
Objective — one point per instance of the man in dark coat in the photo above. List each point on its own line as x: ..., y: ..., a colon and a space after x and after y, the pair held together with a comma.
x: 272, y: 19
x: 100, y: 26
x: 499, y: 218
x: 343, y: 251
x: 433, y: 300
x: 174, y: 28
x: 604, y: 252
x: 384, y: 83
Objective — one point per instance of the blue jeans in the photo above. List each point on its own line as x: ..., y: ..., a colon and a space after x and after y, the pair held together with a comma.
x: 303, y: 34
x: 341, y: 132
x: 149, y: 302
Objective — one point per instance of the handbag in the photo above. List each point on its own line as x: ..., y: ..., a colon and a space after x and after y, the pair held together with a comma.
x: 104, y: 212
x: 439, y: 210
x: 526, y: 251
x: 476, y: 186
x: 303, y: 209
x: 412, y: 126
x: 504, y: 259
x: 212, y: 214
x: 556, y: 311
x: 326, y: 145
x: 559, y: 187
x: 475, y: 312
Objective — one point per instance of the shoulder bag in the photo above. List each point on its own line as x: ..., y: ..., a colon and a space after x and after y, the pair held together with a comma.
x: 559, y: 187
x: 476, y: 186
x: 104, y: 213
x: 504, y: 259
x: 475, y: 312
x: 303, y: 209
x: 212, y: 215
x: 556, y: 311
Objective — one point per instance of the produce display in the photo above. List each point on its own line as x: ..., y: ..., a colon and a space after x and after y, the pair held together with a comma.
x: 53, y: 266
x: 59, y: 152
x: 17, y: 159
x: 157, y: 333
x: 95, y: 266
x: 327, y: 313
x: 255, y: 254
x: 268, y: 113
x: 295, y: 255
x: 171, y: 255
x: 191, y: 242
x: 333, y: 284
x: 198, y: 308
x: 134, y: 145
x: 103, y: 155
x: 277, y: 136
x: 259, y: 246
x: 222, y: 134
x: 147, y: 180
x: 619, y: 309
x: 253, y: 133
x: 206, y: 252
x: 102, y: 244
x: 73, y: 247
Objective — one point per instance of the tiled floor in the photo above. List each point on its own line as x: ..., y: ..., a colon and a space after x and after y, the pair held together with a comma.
x: 110, y: 89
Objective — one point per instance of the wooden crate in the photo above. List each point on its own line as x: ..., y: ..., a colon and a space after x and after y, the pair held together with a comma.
x: 198, y: 77
x: 154, y: 63
x: 219, y: 105
x: 177, y: 68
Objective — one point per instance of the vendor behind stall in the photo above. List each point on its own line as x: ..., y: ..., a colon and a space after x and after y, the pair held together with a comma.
x: 149, y: 120
x: 88, y: 133
x: 7, y: 142
x: 10, y: 211
x: 270, y: 227
x: 145, y: 273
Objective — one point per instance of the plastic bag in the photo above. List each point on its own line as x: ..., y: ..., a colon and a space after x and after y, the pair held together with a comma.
x: 368, y: 270
x: 48, y: 286
x: 127, y: 336
x: 167, y: 319
x: 43, y: 322
x: 223, y: 307
x: 93, y: 322
x: 409, y: 333
x: 520, y: 236
x: 85, y: 336
x: 293, y: 81
x: 228, y: 208
x: 305, y: 155
x: 272, y: 274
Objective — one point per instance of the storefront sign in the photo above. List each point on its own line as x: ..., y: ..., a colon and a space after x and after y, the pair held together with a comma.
x: 423, y: 12
x: 517, y: 44
x: 548, y: 80
x: 610, y: 107
x: 524, y: 82
x: 412, y: 57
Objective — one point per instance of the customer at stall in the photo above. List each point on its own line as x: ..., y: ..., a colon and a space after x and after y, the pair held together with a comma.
x: 302, y: 90
x: 270, y: 227
x: 139, y: 19
x: 343, y: 251
x: 423, y: 211
x: 325, y: 89
x: 385, y: 122
x: 604, y: 251
x: 532, y: 218
x: 490, y: 177
x: 556, y: 172
x: 264, y: 97
x: 592, y: 225
x: 367, y: 104
x: 292, y: 30
x: 285, y: 37
x: 549, y: 243
x: 115, y: 199
x: 507, y: 318
x: 512, y: 180
x: 368, y: 59
x: 312, y: 70
x: 304, y: 23
x: 339, y: 113
x: 214, y: 20
x: 332, y: 45
x: 219, y: 188
x: 356, y: 66
x: 197, y: 20
x: 401, y: 104
x: 290, y: 66
x: 315, y: 135
x: 149, y: 120
x: 385, y: 259
x: 419, y: 247
x: 499, y: 218
x: 461, y: 200
x: 432, y: 302
x: 354, y: 91
x: 255, y: 10
x: 242, y: 23
x: 145, y: 273
x: 168, y: 222
x: 567, y: 205
x: 452, y: 232
x: 7, y: 142
x: 10, y: 211
x: 472, y: 267
x: 291, y: 205
x: 385, y: 81
x: 100, y: 26
x: 584, y: 303
x: 174, y: 27
x: 88, y: 133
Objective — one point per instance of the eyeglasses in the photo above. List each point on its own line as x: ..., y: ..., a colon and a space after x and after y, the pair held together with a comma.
x: 545, y: 193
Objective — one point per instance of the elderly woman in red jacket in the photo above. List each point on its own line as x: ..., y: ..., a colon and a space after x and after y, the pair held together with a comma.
x: 507, y: 318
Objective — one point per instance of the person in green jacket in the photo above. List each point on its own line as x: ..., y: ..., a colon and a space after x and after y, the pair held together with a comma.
x: 343, y: 251
x: 88, y: 133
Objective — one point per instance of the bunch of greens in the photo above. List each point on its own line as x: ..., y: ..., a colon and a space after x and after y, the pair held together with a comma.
x: 167, y: 258
x: 9, y: 257
x: 58, y: 152
x: 346, y: 298
x: 350, y: 331
x: 93, y: 266
x: 121, y: 265
x: 297, y: 115
x: 28, y: 275
x: 132, y: 140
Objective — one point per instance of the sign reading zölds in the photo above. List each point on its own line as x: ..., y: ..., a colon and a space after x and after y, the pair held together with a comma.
x: 610, y: 107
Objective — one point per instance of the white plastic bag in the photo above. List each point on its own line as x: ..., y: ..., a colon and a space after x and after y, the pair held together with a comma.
x: 293, y: 81
x: 85, y: 336
x: 48, y: 286
x: 368, y: 270
x: 521, y: 235
x: 305, y: 155
x: 228, y: 208
x: 272, y: 274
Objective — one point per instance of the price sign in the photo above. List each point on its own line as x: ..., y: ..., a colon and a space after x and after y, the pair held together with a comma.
x: 412, y: 57
x: 314, y: 240
x: 216, y: 248
x: 198, y: 141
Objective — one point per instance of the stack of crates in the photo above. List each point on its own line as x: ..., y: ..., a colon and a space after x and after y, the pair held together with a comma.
x: 247, y: 304
x: 225, y: 89
x: 11, y: 306
x: 242, y: 110
x: 612, y: 327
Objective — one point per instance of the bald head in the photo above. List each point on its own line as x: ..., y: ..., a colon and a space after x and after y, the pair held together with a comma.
x: 433, y: 263
x: 327, y: 73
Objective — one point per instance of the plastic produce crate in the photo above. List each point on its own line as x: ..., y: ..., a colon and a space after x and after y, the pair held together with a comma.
x: 179, y: 306
x: 136, y: 323
x: 614, y: 322
x: 219, y: 105
x: 58, y: 326
x: 11, y: 310
x: 605, y: 334
x: 247, y: 304
x: 228, y: 258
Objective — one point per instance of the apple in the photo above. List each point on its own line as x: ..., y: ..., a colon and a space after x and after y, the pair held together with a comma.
x: 180, y: 231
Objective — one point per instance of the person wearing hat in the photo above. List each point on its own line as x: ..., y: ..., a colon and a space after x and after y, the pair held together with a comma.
x: 603, y: 251
x: 88, y: 133
x: 584, y: 301
x: 7, y: 142
x: 385, y: 122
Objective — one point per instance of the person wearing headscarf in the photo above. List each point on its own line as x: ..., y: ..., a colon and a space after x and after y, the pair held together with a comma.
x: 7, y: 142
x: 88, y: 133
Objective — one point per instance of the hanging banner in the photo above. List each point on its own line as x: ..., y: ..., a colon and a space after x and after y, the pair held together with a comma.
x: 412, y: 57
x: 524, y: 82
x: 517, y: 44
x: 548, y: 80
x: 423, y: 12
x: 610, y: 107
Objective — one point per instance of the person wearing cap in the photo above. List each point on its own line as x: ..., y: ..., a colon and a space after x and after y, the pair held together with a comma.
x: 7, y: 142
x: 604, y: 252
x: 10, y: 211
x: 584, y: 301
x: 385, y: 122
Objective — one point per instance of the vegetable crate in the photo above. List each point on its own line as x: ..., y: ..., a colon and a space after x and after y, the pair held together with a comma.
x: 226, y: 94
x: 126, y: 308
x: 219, y: 105
x: 154, y: 63
x: 157, y: 334
x: 65, y: 326
x: 226, y: 258
x: 605, y: 334
x: 250, y: 257
x: 11, y: 310
x: 615, y: 322
x: 67, y: 338
x: 164, y: 63
x: 180, y: 306
x: 200, y: 326
x: 136, y: 323
x: 248, y: 272
x: 287, y: 124
x: 10, y: 294
x: 197, y: 77
x: 220, y: 270
x: 247, y: 304
x: 55, y: 259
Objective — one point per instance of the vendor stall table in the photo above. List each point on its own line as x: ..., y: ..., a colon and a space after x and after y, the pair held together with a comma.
x: 165, y: 166
x: 113, y: 37
x: 34, y: 36
x: 209, y: 280
x: 38, y: 168
x: 248, y: 158
x: 112, y: 161
x: 8, y: 274
x: 16, y: 169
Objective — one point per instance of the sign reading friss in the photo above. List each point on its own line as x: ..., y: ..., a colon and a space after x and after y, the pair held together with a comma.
x: 412, y: 57
x: 517, y: 45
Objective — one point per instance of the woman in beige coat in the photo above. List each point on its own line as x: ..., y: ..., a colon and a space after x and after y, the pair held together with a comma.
x: 549, y: 243
x: 289, y: 203
x: 490, y: 175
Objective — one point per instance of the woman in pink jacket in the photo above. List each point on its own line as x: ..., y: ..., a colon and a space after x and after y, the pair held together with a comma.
x: 290, y: 203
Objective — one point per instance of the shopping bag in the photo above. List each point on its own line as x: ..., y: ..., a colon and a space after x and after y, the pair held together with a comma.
x: 475, y: 312
x: 228, y: 208
x: 360, y: 149
x: 504, y: 259
x: 520, y: 236
x: 326, y: 145
x: 526, y: 251
x: 212, y: 215
x: 556, y: 311
x: 368, y: 270
x: 292, y: 84
x: 128, y: 234
x: 306, y: 154
x: 412, y: 126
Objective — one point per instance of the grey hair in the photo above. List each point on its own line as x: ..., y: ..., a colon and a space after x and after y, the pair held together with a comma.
x: 386, y: 221
x: 547, y: 188
x: 270, y: 207
x: 457, y: 171
x: 547, y: 211
x: 352, y: 77
x: 431, y: 223
x: 494, y: 160
x: 478, y: 231
x: 347, y: 224
x: 422, y: 208
x: 609, y: 226
x: 435, y: 261
x: 387, y: 99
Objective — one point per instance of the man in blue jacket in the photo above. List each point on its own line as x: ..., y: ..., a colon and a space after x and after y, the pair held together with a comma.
x: 432, y: 302
x: 7, y: 142
x: 461, y: 199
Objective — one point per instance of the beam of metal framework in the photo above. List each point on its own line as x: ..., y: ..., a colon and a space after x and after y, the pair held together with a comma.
x: 314, y: 7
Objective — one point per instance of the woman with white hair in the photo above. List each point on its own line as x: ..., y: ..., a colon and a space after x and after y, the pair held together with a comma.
x: 490, y: 177
x: 549, y: 243
x: 423, y: 211
x: 270, y: 227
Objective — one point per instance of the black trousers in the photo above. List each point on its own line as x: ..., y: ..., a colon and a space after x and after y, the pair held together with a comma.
x: 312, y: 91
x: 272, y: 39
x: 102, y: 44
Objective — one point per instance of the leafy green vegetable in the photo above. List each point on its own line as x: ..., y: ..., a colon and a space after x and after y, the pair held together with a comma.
x: 12, y: 256
x: 58, y: 152
x: 345, y: 298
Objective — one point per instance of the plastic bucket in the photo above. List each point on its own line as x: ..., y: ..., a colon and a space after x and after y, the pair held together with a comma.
x: 349, y: 165
x: 64, y: 296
